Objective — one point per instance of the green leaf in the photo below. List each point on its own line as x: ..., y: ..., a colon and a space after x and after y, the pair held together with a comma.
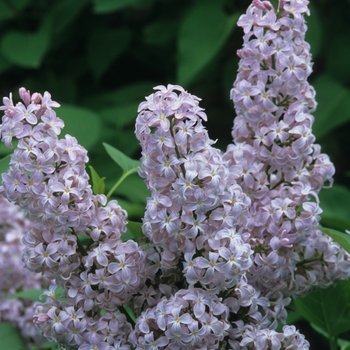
x: 82, y: 123
x: 84, y: 240
x: 328, y: 308
x: 160, y: 32
x: 344, y: 344
x: 134, y: 93
x: 25, y: 49
x: 117, y: 41
x: 134, y: 231
x: 33, y: 294
x: 11, y: 8
x: 98, y: 183
x: 63, y: 13
x: 130, y: 313
x: 127, y: 164
x: 11, y: 337
x: 338, y: 58
x: 4, y: 63
x: 314, y: 33
x: 4, y: 165
x: 335, y: 205
x: 106, y: 6
x: 343, y: 239
x: 203, y: 32
x: 135, y: 189
x: 333, y: 107
x: 120, y: 115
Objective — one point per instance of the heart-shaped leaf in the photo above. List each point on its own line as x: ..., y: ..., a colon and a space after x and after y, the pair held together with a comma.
x: 25, y: 49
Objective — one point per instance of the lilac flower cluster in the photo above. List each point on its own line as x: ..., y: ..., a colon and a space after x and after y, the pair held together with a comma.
x: 14, y: 278
x: 230, y: 236
x: 274, y: 157
x: 75, y: 239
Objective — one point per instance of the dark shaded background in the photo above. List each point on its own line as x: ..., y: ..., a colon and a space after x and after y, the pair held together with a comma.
x: 100, y: 58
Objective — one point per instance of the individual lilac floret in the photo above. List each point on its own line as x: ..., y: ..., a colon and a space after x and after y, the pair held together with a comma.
x: 274, y: 157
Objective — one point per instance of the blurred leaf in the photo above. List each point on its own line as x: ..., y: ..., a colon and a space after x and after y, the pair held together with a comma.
x: 131, y: 93
x: 98, y: 183
x: 338, y: 58
x: 134, y: 210
x: 82, y: 123
x: 63, y: 13
x: 10, y: 8
x: 335, y: 204
x: 120, y: 115
x: 4, y: 165
x: 344, y: 344
x: 314, y: 33
x: 328, y: 308
x: 228, y: 76
x: 25, y: 49
x: 33, y: 295
x: 160, y: 32
x: 203, y: 32
x: 333, y: 105
x: 10, y: 338
x: 127, y: 141
x: 135, y: 189
x: 106, y: 6
x: 116, y: 40
x: 4, y: 63
x: 342, y: 238
x: 134, y: 231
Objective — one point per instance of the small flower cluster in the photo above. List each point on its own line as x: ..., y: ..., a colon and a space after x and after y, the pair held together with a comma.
x: 231, y: 236
x: 14, y: 278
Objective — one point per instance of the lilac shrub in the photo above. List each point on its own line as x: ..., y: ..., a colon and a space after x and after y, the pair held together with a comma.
x: 230, y: 236
x: 14, y: 278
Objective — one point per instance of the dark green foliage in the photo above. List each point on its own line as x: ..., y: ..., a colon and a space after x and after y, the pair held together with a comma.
x: 100, y: 58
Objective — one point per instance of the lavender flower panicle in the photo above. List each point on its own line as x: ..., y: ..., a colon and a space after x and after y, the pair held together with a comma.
x: 274, y: 157
x: 47, y: 178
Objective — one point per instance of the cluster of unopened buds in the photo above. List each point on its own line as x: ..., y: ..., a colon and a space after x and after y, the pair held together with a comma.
x: 230, y: 236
